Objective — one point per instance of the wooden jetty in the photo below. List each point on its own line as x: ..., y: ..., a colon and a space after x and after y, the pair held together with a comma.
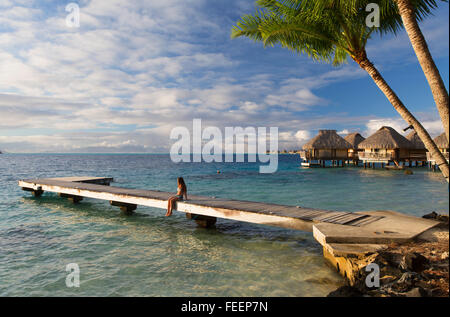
x: 380, y: 226
x: 201, y: 208
x: 343, y: 235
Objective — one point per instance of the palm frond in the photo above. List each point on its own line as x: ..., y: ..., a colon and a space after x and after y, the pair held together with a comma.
x: 325, y: 30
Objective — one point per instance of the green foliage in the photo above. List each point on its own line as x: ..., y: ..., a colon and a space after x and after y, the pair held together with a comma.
x: 325, y: 30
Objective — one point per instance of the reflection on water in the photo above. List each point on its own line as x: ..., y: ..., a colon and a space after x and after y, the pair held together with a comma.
x: 148, y: 254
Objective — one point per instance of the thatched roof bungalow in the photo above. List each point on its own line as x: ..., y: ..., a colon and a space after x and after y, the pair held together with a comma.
x: 442, y: 143
x: 354, y: 139
x: 418, y: 152
x: 384, y: 146
x: 327, y: 145
x: 416, y: 141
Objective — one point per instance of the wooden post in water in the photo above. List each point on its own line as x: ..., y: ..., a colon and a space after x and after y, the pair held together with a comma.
x: 74, y: 199
x: 125, y: 207
x: 202, y: 221
x: 38, y: 193
x: 35, y: 192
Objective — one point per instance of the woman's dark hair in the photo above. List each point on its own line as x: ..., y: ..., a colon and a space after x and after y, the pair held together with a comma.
x: 181, y: 183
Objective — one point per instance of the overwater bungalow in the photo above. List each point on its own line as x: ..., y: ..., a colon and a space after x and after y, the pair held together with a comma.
x: 418, y: 153
x: 385, y: 146
x: 442, y: 143
x: 326, y: 146
x: 354, y: 139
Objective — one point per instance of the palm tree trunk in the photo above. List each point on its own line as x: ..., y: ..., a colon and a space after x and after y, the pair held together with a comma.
x: 365, y: 64
x: 440, y: 93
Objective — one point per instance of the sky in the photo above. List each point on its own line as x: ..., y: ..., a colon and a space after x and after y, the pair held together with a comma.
x: 134, y: 70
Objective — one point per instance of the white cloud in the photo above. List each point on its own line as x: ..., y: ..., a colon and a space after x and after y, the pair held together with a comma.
x: 434, y: 127
x: 303, y: 135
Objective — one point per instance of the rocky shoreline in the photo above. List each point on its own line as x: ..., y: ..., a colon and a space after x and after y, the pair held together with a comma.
x: 415, y: 269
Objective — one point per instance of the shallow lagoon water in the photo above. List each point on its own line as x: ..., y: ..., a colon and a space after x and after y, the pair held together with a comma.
x: 148, y: 254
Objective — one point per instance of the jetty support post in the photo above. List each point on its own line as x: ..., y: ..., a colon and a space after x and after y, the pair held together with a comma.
x: 125, y: 207
x: 202, y: 221
x: 72, y: 198
x: 35, y: 192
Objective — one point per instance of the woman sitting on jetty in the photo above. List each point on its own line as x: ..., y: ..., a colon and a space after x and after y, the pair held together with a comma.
x: 182, y: 191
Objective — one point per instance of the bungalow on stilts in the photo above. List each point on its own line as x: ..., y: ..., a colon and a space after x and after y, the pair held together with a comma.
x: 326, y: 146
x: 354, y: 139
x: 442, y: 143
x: 385, y: 146
x: 418, y: 153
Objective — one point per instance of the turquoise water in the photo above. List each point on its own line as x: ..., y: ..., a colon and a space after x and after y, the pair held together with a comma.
x: 148, y: 254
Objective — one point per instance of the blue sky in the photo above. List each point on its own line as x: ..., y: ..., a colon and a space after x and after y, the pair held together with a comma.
x: 136, y: 69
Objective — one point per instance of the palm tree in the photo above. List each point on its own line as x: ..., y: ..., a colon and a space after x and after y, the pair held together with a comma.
x: 326, y: 31
x: 440, y: 93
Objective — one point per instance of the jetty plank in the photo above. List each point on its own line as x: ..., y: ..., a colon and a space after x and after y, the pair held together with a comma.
x: 85, y: 179
x: 292, y: 217
x: 389, y: 227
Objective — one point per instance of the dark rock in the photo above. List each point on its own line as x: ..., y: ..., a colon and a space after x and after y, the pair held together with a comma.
x: 443, y: 219
x: 390, y: 258
x: 387, y: 279
x: 431, y: 215
x: 405, y: 283
x: 435, y: 216
x: 416, y: 292
x: 436, y: 292
x: 407, y: 279
x: 414, y: 262
x: 345, y: 291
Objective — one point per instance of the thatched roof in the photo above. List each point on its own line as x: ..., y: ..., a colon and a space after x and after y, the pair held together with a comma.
x: 416, y: 141
x: 327, y: 140
x: 441, y: 141
x: 354, y: 139
x: 386, y: 138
